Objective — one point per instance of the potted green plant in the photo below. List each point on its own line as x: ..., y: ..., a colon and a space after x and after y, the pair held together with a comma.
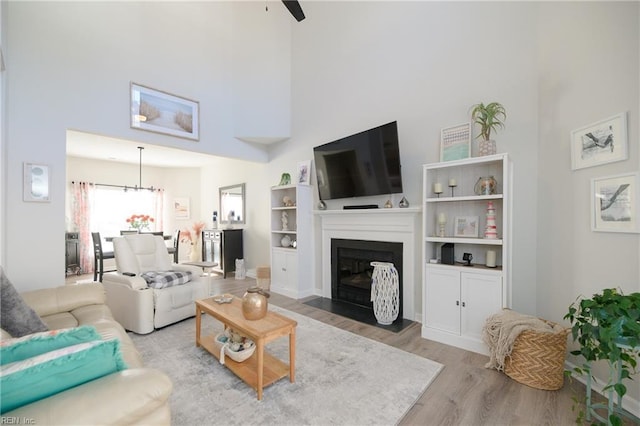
x: 607, y: 327
x: 490, y: 118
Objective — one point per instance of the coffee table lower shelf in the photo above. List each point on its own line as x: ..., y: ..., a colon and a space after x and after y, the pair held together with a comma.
x: 274, y: 369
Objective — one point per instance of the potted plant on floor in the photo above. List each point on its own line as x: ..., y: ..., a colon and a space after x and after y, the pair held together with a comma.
x: 490, y: 118
x: 607, y: 327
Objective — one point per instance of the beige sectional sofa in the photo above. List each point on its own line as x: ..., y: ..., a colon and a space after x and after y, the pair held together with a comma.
x: 137, y: 395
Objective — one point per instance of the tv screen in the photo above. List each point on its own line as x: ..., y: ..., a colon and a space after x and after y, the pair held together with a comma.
x: 364, y: 164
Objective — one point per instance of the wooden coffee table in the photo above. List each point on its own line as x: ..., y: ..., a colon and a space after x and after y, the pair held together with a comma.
x: 261, y: 369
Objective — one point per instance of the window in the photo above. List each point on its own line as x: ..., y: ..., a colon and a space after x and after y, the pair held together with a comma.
x: 112, y: 207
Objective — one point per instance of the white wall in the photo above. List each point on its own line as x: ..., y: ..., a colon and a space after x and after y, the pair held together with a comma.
x: 383, y: 61
x: 69, y: 65
x: 584, y: 78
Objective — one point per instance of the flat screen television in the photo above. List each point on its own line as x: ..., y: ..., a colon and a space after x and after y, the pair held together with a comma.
x: 364, y: 164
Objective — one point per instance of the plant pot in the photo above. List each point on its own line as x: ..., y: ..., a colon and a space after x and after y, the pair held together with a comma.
x: 487, y: 147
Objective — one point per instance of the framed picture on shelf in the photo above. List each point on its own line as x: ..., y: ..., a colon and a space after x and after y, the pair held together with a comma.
x: 36, y: 183
x: 615, y: 203
x: 304, y: 170
x: 466, y: 226
x: 455, y: 142
x: 600, y: 143
x: 162, y: 112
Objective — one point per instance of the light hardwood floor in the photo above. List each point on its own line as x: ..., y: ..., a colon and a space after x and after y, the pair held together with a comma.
x: 464, y: 393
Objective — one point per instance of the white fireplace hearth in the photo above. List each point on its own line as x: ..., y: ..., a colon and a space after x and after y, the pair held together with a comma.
x: 400, y: 225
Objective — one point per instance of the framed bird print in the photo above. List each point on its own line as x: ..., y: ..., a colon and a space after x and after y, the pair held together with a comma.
x: 615, y: 203
x: 600, y: 143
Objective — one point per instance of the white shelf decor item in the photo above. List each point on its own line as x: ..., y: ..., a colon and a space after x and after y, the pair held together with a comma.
x: 385, y: 292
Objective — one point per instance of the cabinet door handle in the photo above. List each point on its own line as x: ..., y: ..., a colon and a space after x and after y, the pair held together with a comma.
x: 464, y: 304
x: 457, y: 303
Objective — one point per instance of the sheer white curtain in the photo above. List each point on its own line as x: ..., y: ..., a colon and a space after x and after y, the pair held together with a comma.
x: 83, y: 195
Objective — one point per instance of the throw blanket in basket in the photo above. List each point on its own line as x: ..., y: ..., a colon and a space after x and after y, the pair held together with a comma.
x: 502, y: 329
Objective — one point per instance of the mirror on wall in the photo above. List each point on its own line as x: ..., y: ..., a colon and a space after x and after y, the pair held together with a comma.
x: 232, y: 204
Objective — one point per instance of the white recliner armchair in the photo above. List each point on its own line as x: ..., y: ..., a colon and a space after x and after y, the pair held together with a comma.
x: 140, y: 306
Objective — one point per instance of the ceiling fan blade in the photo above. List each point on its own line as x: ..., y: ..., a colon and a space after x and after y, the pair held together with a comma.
x: 295, y: 9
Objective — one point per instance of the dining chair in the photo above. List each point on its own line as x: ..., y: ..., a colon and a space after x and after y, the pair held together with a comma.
x: 99, y: 256
x: 176, y: 243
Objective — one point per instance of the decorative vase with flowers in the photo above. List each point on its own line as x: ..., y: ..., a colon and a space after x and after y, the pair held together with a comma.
x: 193, y: 236
x: 140, y: 222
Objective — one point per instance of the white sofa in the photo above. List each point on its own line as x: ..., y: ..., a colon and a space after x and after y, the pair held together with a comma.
x: 135, y: 305
x: 135, y: 396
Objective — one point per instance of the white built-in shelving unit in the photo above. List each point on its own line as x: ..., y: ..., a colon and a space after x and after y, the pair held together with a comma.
x: 457, y: 299
x: 290, y: 265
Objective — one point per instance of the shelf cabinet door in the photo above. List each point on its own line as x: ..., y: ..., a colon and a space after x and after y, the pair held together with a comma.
x: 442, y: 299
x: 284, y: 270
x: 481, y: 298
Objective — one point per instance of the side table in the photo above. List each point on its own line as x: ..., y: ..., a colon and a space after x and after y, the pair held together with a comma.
x: 205, y: 266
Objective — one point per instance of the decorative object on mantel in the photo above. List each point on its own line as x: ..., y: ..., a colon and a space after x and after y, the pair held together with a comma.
x: 140, y: 222
x: 285, y: 179
x: 193, y: 237
x: 255, y: 303
x: 322, y: 205
x: 404, y: 203
x: 486, y: 185
x: 388, y: 204
x: 491, y: 231
x: 385, y: 292
x: 490, y: 118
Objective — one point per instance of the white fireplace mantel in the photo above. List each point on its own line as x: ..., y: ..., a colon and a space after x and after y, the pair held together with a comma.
x: 400, y: 225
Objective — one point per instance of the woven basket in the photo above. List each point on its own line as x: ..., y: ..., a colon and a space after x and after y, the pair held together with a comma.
x: 537, y: 359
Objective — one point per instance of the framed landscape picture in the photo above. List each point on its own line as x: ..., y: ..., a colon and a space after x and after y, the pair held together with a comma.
x: 600, y: 143
x: 615, y: 203
x: 455, y: 142
x: 162, y: 112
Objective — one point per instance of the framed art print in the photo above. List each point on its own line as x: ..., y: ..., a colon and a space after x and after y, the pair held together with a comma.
x: 615, y: 203
x: 36, y: 183
x: 466, y: 226
x: 455, y: 142
x: 304, y: 170
x: 600, y: 143
x: 162, y: 112
x: 181, y: 208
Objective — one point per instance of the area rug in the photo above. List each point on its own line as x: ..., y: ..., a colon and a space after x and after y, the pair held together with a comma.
x: 341, y: 378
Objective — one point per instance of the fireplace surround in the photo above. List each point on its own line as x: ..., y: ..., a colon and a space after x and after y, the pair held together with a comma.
x: 395, y: 225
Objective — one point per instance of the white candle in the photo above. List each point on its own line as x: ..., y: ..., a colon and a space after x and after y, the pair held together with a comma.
x: 437, y: 188
x: 452, y: 182
x: 491, y: 259
x: 442, y: 218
